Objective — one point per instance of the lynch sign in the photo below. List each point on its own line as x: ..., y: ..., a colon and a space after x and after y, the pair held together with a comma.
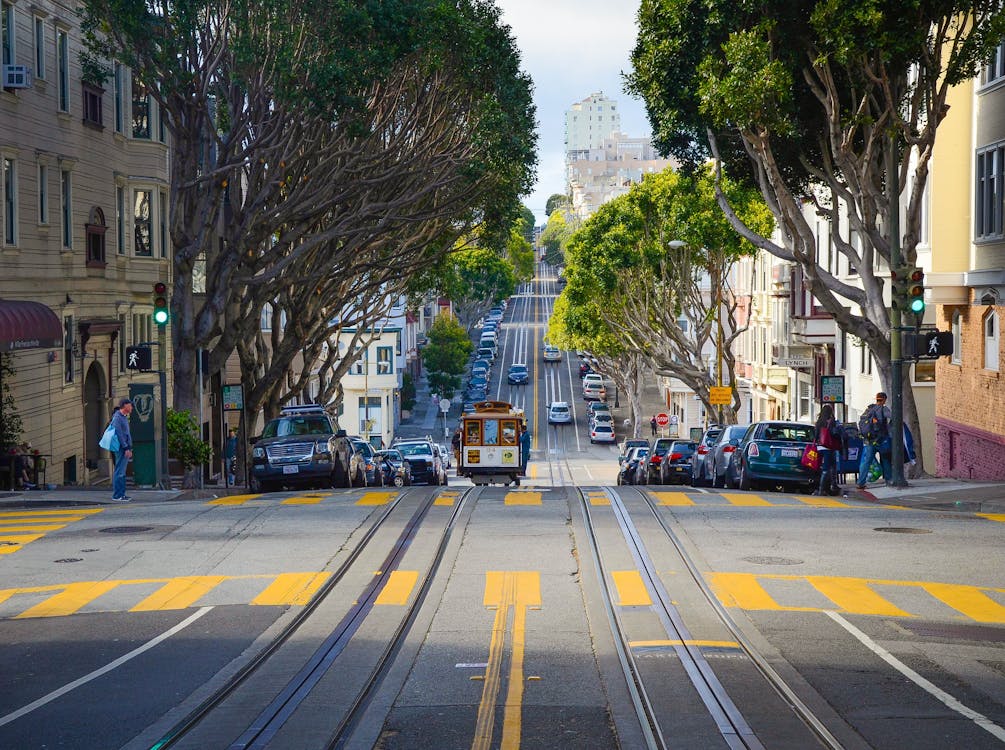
x: 795, y: 362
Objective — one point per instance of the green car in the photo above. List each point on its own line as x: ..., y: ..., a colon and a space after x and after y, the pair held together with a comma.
x: 770, y: 454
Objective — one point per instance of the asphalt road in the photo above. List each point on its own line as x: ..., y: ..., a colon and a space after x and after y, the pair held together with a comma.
x: 565, y: 613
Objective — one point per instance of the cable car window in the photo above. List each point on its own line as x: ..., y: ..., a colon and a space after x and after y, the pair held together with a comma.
x: 509, y: 432
x: 491, y: 432
x: 473, y: 433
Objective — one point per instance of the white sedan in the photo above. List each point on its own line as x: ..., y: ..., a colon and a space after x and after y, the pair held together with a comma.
x: 602, y: 433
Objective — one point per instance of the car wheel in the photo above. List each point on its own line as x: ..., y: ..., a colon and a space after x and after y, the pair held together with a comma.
x: 399, y: 481
x: 727, y: 480
x: 744, y: 481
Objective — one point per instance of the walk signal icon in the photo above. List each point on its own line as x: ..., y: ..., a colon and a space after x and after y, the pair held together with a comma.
x: 139, y: 358
x: 161, y: 312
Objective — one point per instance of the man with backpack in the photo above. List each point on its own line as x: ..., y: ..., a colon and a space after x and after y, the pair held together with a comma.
x: 874, y: 427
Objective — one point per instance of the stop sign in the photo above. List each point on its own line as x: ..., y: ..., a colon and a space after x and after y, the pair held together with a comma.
x: 662, y: 420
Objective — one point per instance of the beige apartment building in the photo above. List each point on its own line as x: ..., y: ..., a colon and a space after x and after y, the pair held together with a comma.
x: 83, y: 209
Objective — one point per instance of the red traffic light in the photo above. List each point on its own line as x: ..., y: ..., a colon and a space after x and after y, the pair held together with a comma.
x: 160, y: 288
x: 917, y: 275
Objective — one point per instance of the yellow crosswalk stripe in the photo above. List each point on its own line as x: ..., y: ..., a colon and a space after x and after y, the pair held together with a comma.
x: 969, y: 601
x: 179, y: 593
x: 18, y: 528
x: 854, y: 596
x: 376, y: 498
x: 233, y: 500
x: 291, y: 588
x: 75, y: 515
x: 821, y: 501
x: 13, y: 529
x: 68, y: 601
x: 743, y: 500
x: 522, y: 498
x: 632, y: 590
x: 744, y: 590
x: 446, y: 498
x: 304, y: 500
x: 999, y: 517
x: 13, y: 542
x: 398, y: 587
x: 672, y: 498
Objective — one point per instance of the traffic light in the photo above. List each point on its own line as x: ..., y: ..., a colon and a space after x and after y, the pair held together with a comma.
x: 916, y: 291
x: 161, y: 312
x: 899, y: 279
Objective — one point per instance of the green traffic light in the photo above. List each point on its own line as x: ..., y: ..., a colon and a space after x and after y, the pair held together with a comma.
x: 917, y: 305
x: 161, y: 317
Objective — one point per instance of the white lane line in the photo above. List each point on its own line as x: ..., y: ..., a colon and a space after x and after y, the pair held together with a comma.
x: 936, y: 692
x: 60, y: 692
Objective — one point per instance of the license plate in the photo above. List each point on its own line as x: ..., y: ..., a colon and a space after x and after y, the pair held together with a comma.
x: 791, y: 452
x: 291, y: 469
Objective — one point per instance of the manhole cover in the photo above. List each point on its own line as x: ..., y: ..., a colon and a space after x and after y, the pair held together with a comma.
x: 70, y: 559
x: 766, y: 560
x: 126, y: 529
x: 88, y: 550
x: 903, y: 530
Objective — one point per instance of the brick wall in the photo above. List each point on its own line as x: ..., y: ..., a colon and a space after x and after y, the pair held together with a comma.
x: 970, y: 402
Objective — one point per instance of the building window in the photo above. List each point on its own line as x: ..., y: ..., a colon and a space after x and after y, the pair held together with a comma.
x: 924, y: 372
x: 359, y: 366
x: 68, y: 346
x: 995, y: 69
x: 39, y: 48
x: 66, y: 208
x: 385, y: 361
x: 120, y: 219
x: 95, y: 232
x: 7, y: 33
x: 117, y: 96
x: 988, y: 199
x: 91, y: 96
x: 957, y: 356
x: 991, y: 339
x: 143, y: 328
x: 141, y: 224
x: 43, y: 194
x: 63, y: 67
x: 9, y: 202
x: 141, y: 109
x: 266, y: 324
x: 162, y: 217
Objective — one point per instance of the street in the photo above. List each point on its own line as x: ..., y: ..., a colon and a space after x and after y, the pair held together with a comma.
x: 568, y: 612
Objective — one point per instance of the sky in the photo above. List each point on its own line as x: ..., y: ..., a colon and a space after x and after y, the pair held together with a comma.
x: 571, y: 49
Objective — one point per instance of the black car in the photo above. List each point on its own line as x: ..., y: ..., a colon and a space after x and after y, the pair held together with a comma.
x: 300, y: 448
x: 423, y: 459
x: 676, y: 465
x: 368, y: 459
x: 394, y: 470
x: 659, y: 452
x: 627, y: 473
x: 518, y: 374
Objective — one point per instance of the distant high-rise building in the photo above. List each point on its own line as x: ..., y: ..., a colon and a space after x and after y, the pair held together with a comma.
x: 589, y: 122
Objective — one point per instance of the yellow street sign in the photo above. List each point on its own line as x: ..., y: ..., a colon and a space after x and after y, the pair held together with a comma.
x: 720, y: 395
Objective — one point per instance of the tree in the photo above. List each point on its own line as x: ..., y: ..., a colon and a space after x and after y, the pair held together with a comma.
x: 811, y: 102
x: 476, y: 278
x: 520, y: 254
x: 650, y: 271
x: 186, y: 446
x: 555, y: 237
x: 10, y: 421
x: 446, y: 354
x: 555, y: 200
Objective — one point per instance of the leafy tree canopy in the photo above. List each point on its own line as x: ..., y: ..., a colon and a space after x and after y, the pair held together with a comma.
x: 449, y: 347
x: 554, y: 201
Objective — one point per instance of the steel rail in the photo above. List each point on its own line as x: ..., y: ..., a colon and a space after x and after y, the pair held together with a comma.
x: 205, y: 708
x: 730, y: 722
x: 342, y: 733
x: 776, y: 681
x: 641, y: 702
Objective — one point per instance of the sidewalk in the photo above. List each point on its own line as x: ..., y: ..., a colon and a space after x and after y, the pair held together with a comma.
x: 934, y: 493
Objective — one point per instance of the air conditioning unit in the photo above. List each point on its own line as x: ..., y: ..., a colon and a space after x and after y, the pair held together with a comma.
x: 16, y: 77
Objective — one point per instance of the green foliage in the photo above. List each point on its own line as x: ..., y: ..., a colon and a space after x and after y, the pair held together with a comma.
x: 554, y: 201
x: 444, y: 383
x: 184, y: 443
x: 448, y: 349
x: 520, y: 254
x: 526, y: 223
x: 407, y: 391
x: 478, y: 274
x: 555, y: 237
x: 10, y: 421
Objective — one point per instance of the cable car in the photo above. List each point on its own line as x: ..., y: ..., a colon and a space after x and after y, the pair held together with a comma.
x: 490, y: 443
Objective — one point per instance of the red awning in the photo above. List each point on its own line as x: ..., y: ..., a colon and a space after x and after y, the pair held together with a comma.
x: 28, y: 325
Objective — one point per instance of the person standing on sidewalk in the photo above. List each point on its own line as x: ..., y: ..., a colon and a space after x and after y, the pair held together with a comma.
x: 230, y: 454
x: 829, y: 446
x: 120, y: 423
x: 652, y: 425
x: 874, y: 427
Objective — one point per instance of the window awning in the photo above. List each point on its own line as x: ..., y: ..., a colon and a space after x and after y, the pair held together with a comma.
x: 28, y: 325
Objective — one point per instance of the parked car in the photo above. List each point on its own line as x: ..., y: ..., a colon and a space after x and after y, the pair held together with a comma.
x: 552, y: 354
x: 629, y: 443
x: 602, y: 433
x: 424, y: 460
x: 701, y: 474
x: 445, y: 455
x: 770, y: 454
x: 722, y: 451
x: 597, y: 407
x: 300, y: 448
x: 675, y: 468
x: 654, y: 464
x: 602, y: 417
x: 559, y: 413
x: 474, y: 395
x: 518, y: 374
x: 394, y: 469
x: 584, y: 369
x: 486, y: 352
x: 478, y: 381
x: 626, y: 474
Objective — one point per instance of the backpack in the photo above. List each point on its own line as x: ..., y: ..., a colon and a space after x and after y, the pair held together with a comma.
x: 873, y: 424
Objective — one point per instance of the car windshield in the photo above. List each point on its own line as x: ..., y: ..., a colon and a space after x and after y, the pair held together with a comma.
x: 285, y: 426
x: 518, y: 368
x: 561, y: 409
x: 365, y: 448
x: 416, y: 449
x: 711, y: 436
x: 685, y: 449
x: 797, y: 432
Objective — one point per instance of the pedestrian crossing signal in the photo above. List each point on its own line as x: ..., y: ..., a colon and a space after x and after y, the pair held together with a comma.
x: 139, y: 358
x: 161, y: 312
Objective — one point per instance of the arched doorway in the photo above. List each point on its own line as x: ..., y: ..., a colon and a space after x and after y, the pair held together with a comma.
x: 95, y: 419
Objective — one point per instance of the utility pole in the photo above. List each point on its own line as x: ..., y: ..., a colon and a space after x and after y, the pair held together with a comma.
x: 896, y: 337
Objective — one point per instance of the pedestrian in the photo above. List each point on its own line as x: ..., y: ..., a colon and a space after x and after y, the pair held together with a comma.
x: 874, y: 427
x: 524, y: 450
x: 829, y: 446
x: 120, y: 423
x: 230, y: 454
x: 455, y: 443
x: 22, y: 459
x: 652, y: 425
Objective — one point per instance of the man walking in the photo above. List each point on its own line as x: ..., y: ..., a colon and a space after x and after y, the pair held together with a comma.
x: 652, y: 425
x: 120, y: 423
x: 230, y: 454
x: 874, y: 427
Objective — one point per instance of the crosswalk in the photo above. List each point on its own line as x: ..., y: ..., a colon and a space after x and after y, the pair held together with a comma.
x: 376, y: 497
x: 21, y: 527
